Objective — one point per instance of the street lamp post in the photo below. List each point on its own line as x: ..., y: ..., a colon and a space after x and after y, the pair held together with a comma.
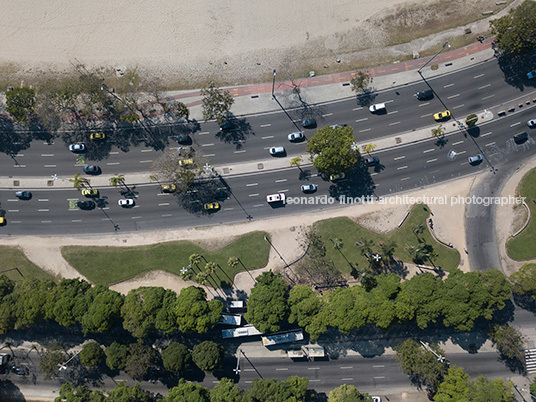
x: 280, y: 256
x: 273, y: 85
x: 237, y: 369
x: 435, y: 55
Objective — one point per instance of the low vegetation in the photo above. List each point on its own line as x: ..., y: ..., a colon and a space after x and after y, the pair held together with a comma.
x: 16, y: 266
x: 107, y: 265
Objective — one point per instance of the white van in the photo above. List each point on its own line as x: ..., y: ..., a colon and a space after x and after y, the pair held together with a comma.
x: 378, y: 107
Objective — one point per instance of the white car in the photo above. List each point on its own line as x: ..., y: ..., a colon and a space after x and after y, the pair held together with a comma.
x: 473, y: 160
x: 279, y: 197
x: 126, y: 202
x: 376, y: 399
x: 531, y: 123
x: 378, y: 107
x: 308, y: 188
x: 77, y: 147
x: 296, y: 136
x: 336, y: 126
x: 277, y: 150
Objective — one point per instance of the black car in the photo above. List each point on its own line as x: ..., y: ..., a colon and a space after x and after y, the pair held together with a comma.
x: 309, y: 123
x: 426, y: 94
x: 23, y: 195
x: 228, y: 125
x: 521, y: 137
x: 92, y: 169
x: 372, y: 161
x: 85, y: 204
x: 183, y: 139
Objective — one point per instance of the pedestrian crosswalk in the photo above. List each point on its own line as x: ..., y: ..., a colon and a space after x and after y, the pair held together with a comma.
x: 530, y: 360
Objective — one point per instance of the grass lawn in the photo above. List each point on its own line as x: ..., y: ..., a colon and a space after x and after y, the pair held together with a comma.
x: 522, y: 247
x: 13, y: 257
x: 107, y: 265
x: 350, y: 232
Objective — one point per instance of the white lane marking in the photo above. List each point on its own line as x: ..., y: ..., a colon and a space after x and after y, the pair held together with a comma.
x: 252, y: 184
x: 76, y: 220
x: 283, y: 191
x: 424, y: 104
x: 240, y: 152
x: 43, y: 199
x: 359, y: 120
x: 464, y: 163
x: 380, y: 377
x: 484, y: 86
x: 401, y: 167
x: 166, y: 215
x: 46, y: 221
x: 112, y: 163
x: 281, y: 369
x: 357, y: 108
x: 267, y: 137
x: 399, y: 157
x: 461, y: 152
x: 12, y: 210
x: 346, y: 367
x: 13, y: 199
x: 258, y: 205
x: 428, y: 150
x: 148, y: 161
x: 347, y: 379
x: 313, y: 368
x: 114, y: 152
x: 15, y: 221
x: 388, y: 101
x: 425, y: 116
x: 491, y: 143
x: 327, y: 114
x: 209, y: 155
x: 483, y: 135
x: 378, y: 366
x: 135, y: 217
x: 395, y: 123
x: 146, y: 150
x: 43, y: 210
x: 459, y: 106
x: 50, y: 166
x: 431, y: 160
x: 367, y: 129
x: 19, y: 166
x: 254, y: 195
x: 405, y: 178
x: 487, y: 97
x: 47, y: 154
x: 265, y: 125
x: 163, y: 204
x: 448, y: 85
x: 478, y: 76
x: 314, y: 380
x: 228, y: 209
x: 281, y: 180
x: 203, y: 133
x: 374, y: 174
x: 207, y: 145
x: 393, y: 112
x: 515, y: 124
x: 457, y: 142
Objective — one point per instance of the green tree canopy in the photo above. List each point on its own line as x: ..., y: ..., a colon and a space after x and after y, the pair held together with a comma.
x: 104, y: 310
x: 454, y: 387
x: 140, y: 309
x: 422, y: 366
x: 484, y: 390
x: 305, y: 310
x: 194, y: 313
x: 420, y: 300
x: 91, y: 354
x: 268, y: 303
x: 225, y: 391
x: 51, y: 357
x: 30, y: 296
x: 70, y: 393
x: 187, y: 392
x: 124, y: 393
x: 140, y: 360
x: 509, y: 341
x: 348, y: 309
x: 516, y: 31
x: 361, y: 81
x: 68, y: 301
x: 348, y: 393
x: 20, y: 103
x: 176, y: 357
x: 332, y: 151
x: 293, y: 389
x: 216, y: 103
x: 116, y: 356
x: 524, y: 280
x: 208, y: 356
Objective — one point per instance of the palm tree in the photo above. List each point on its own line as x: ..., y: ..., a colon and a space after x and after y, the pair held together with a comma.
x: 117, y: 180
x: 296, y: 162
x: 211, y: 267
x: 369, y: 148
x: 202, y: 279
x: 439, y: 131
x: 337, y: 243
x: 233, y: 261
x: 417, y: 253
x: 78, y: 181
x: 195, y: 259
x: 388, y: 248
x: 418, y: 229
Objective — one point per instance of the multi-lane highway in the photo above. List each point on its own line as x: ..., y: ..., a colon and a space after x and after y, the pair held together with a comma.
x: 402, y: 168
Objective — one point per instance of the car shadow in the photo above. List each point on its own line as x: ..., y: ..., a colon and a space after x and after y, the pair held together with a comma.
x: 237, y: 134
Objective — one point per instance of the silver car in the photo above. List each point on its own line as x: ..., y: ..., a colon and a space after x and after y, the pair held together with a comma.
x: 296, y: 136
x: 308, y: 188
x: 531, y: 123
x: 473, y: 160
x: 277, y: 150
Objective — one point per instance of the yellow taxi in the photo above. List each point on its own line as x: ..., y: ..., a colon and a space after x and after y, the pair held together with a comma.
x: 2, y: 221
x: 442, y: 116
x: 338, y: 176
x: 90, y: 192
x: 97, y: 136
x: 211, y: 206
x: 169, y: 188
x: 186, y: 162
